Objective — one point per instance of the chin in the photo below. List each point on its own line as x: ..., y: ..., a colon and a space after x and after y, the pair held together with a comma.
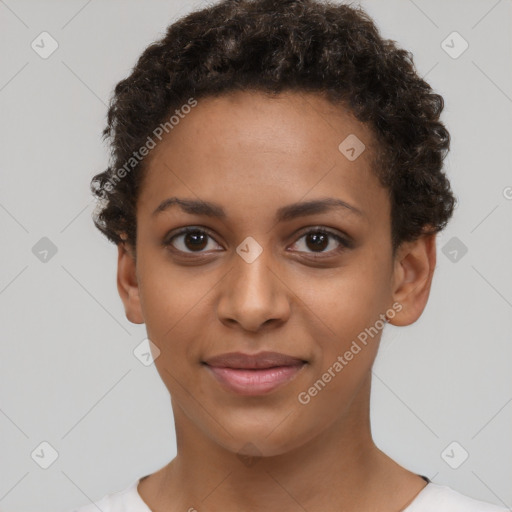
x: 276, y: 435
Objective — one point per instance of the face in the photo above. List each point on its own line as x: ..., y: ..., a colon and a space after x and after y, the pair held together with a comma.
x: 257, y: 274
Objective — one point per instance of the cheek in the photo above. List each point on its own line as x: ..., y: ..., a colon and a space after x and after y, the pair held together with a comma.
x: 343, y: 317
x: 172, y: 296
x: 346, y: 302
x: 173, y: 306
x: 180, y: 320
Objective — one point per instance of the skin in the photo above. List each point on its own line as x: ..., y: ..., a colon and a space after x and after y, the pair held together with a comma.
x: 253, y: 154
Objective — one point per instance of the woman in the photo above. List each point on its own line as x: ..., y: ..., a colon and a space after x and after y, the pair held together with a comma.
x: 275, y: 193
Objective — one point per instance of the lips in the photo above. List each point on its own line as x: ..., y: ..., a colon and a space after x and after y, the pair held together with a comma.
x: 238, y: 360
x: 253, y: 374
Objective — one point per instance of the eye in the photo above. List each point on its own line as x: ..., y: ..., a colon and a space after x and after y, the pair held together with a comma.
x: 318, y: 239
x: 194, y: 238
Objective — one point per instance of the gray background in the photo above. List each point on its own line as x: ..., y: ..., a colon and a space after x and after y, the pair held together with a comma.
x: 68, y: 373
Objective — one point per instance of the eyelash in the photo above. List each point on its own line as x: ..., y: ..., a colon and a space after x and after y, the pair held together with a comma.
x: 344, y: 243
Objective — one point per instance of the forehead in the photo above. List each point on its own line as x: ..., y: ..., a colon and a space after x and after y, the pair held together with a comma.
x: 300, y: 124
x: 249, y: 147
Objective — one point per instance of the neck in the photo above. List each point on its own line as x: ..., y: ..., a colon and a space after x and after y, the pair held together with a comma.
x: 339, y: 469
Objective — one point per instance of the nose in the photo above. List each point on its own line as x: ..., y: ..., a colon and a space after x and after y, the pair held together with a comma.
x: 254, y: 296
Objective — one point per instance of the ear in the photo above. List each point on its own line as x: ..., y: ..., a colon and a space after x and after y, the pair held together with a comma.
x: 413, y: 271
x: 127, y: 284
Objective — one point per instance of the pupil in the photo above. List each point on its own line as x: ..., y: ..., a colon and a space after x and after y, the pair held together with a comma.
x: 319, y: 240
x: 195, y: 236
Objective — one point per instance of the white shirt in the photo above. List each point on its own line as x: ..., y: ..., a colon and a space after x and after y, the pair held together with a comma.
x: 432, y: 498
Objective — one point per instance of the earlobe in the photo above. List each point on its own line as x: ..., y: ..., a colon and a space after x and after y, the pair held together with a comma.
x: 127, y: 284
x: 413, y: 272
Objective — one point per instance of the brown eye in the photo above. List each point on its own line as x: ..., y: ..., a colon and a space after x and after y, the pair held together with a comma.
x: 193, y: 240
x: 317, y: 240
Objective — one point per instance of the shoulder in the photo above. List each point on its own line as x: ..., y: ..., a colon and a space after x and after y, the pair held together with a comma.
x: 440, y: 498
x: 125, y: 500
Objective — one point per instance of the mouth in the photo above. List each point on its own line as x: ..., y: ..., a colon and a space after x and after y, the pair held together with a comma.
x: 254, y: 374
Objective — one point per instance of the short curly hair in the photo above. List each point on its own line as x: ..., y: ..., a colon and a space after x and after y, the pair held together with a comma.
x: 290, y: 45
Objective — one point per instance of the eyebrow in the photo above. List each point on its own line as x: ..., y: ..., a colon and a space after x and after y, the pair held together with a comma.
x: 285, y: 213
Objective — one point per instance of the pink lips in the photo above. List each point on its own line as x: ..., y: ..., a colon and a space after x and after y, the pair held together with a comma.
x: 254, y: 374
